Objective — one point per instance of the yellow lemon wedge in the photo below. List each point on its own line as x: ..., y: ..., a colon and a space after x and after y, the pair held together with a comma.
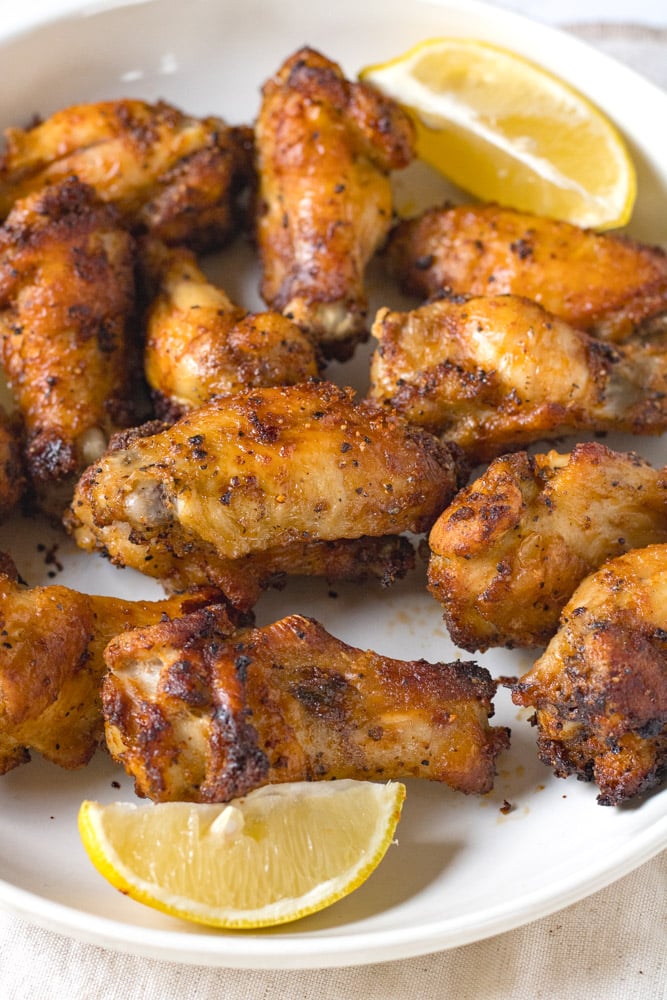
x: 275, y: 855
x: 504, y: 129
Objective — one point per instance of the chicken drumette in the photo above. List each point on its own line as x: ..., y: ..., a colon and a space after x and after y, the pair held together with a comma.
x: 199, y: 344
x: 602, y: 283
x: 168, y: 173
x: 325, y: 147
x: 511, y: 548
x: 600, y: 688
x: 300, y: 479
x: 196, y: 715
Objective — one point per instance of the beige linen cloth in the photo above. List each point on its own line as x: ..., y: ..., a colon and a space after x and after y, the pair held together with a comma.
x: 611, y: 946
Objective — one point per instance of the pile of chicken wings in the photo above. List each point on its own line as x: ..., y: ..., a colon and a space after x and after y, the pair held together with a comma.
x: 173, y: 431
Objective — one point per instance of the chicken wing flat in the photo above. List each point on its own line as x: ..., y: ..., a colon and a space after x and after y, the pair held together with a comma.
x: 168, y: 173
x: 66, y: 317
x: 12, y: 478
x: 194, y: 715
x: 512, y: 547
x: 324, y: 148
x: 267, y: 476
x: 604, y: 284
x: 199, y: 344
x: 493, y: 374
x: 600, y: 688
x: 51, y: 665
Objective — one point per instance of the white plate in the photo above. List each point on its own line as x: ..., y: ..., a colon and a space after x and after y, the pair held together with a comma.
x: 462, y: 870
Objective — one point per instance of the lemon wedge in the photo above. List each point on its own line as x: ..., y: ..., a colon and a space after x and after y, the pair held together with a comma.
x: 506, y: 130
x: 275, y: 855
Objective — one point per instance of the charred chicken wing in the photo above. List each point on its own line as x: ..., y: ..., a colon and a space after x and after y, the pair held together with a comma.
x: 511, y: 548
x: 325, y: 147
x: 282, y: 477
x: 195, y: 715
x: 495, y: 373
x: 66, y: 315
x: 51, y: 665
x: 199, y: 344
x: 600, y: 688
x: 604, y: 284
x: 12, y: 478
x: 168, y: 173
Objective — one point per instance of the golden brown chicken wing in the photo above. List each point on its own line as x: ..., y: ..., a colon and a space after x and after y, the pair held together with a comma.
x: 51, y: 665
x: 605, y: 284
x: 199, y: 344
x: 600, y: 688
x: 325, y: 147
x: 511, y: 548
x: 194, y: 715
x: 168, y: 173
x: 281, y: 478
x: 494, y: 373
x: 66, y: 317
x: 12, y: 478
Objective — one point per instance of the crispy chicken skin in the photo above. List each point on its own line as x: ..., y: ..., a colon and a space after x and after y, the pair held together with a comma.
x: 604, y: 284
x: 493, y: 374
x: 168, y: 173
x: 12, y: 477
x: 51, y: 665
x: 195, y: 715
x: 66, y: 317
x: 324, y: 149
x: 600, y: 688
x: 511, y: 548
x: 199, y: 344
x: 261, y: 475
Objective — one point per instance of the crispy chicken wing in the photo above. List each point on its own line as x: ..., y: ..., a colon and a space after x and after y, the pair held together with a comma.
x: 276, y: 477
x: 494, y: 373
x: 12, y: 477
x: 511, y: 548
x: 168, y: 173
x: 199, y: 344
x: 325, y: 147
x: 66, y: 315
x: 600, y: 688
x: 602, y: 283
x: 51, y: 665
x: 194, y: 715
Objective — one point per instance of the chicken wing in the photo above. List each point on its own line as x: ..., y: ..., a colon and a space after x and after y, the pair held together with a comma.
x: 199, y: 344
x: 325, y: 147
x: 276, y: 477
x: 602, y: 283
x: 12, y: 477
x: 511, y: 548
x: 495, y: 373
x: 600, y: 688
x: 51, y: 665
x: 194, y: 715
x: 66, y: 312
x: 168, y: 173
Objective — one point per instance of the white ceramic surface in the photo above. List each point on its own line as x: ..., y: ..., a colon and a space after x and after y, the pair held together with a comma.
x: 462, y: 869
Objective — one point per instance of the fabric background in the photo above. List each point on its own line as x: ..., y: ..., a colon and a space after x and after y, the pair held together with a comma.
x: 611, y: 946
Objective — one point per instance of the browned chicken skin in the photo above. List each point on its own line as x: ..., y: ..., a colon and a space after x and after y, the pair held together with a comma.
x: 51, y: 665
x: 12, y: 478
x: 511, y: 548
x: 196, y: 715
x: 169, y: 174
x: 265, y: 475
x: 66, y: 318
x: 604, y: 284
x: 493, y: 374
x: 325, y: 147
x: 600, y: 688
x: 199, y: 344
